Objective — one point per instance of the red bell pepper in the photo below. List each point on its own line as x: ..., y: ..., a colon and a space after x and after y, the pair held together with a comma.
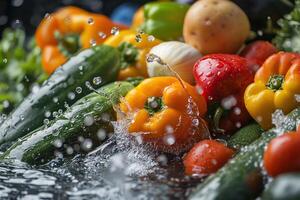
x: 222, y: 79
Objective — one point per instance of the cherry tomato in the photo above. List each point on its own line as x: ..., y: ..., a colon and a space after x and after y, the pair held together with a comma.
x: 257, y: 52
x: 283, y: 154
x: 206, y: 157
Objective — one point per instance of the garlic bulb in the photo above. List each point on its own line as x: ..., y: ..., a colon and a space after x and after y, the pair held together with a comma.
x: 179, y: 56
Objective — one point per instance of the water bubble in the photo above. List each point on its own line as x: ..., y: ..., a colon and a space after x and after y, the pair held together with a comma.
x: 228, y: 102
x: 58, y: 143
x: 46, y: 121
x: 169, y: 139
x: 150, y: 38
x: 115, y: 31
x: 78, y: 90
x: 90, y: 21
x: 97, y: 80
x: 89, y: 120
x: 71, y: 95
x: 138, y: 38
x: 5, y: 104
x: 87, y: 144
x: 60, y: 111
x: 102, y: 35
x: 101, y: 134
x: 55, y: 114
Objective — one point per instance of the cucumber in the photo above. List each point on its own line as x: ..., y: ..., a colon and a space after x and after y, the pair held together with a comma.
x: 284, y: 187
x: 38, y: 147
x: 245, y: 136
x: 99, y: 61
x: 241, y: 178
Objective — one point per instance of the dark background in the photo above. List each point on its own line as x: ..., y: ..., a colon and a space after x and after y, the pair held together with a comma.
x: 28, y: 13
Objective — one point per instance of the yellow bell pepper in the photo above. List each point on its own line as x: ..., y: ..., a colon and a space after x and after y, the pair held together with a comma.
x: 134, y: 49
x: 275, y: 86
x: 159, y: 108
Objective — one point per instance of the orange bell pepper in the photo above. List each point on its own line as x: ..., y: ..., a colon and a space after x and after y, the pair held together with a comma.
x: 164, y: 115
x: 71, y: 29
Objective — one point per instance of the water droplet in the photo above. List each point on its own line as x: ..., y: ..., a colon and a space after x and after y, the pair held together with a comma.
x: 93, y: 42
x: 162, y: 159
x: 199, y: 89
x: 78, y: 90
x: 237, y: 111
x: 102, y: 35
x: 169, y: 129
x: 101, y: 134
x: 87, y: 144
x: 150, y: 38
x: 228, y: 102
x: 4, y: 60
x: 55, y: 99
x: 80, y: 67
x: 90, y: 21
x: 58, y: 143
x: 70, y: 150
x: 115, y: 31
x: 71, y: 95
x: 209, y: 74
x: 5, y: 104
x: 89, y: 120
x: 47, y: 114
x: 138, y: 38
x: 238, y: 124
x: 169, y: 139
x: 97, y: 80
x: 22, y: 117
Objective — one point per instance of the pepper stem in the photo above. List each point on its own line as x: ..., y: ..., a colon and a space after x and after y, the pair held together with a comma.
x: 216, y: 119
x: 154, y: 104
x: 275, y: 82
x: 129, y: 54
x: 68, y: 44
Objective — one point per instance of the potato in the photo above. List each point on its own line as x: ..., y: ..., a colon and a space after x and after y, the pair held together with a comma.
x: 216, y: 26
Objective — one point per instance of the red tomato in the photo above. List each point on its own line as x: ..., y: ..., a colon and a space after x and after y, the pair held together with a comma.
x: 257, y: 52
x: 206, y: 157
x: 283, y: 154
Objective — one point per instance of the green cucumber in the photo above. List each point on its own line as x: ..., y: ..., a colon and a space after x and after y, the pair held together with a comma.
x: 284, y: 187
x: 241, y: 178
x: 245, y: 136
x: 38, y: 147
x: 99, y: 61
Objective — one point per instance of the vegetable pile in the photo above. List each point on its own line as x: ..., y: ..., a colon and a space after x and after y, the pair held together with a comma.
x: 189, y: 81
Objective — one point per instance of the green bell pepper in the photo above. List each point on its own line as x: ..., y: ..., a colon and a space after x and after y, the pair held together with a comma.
x: 164, y: 20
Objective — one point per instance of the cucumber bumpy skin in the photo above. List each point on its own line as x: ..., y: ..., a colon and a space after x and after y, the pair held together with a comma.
x: 38, y: 147
x: 99, y: 61
x: 241, y: 178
